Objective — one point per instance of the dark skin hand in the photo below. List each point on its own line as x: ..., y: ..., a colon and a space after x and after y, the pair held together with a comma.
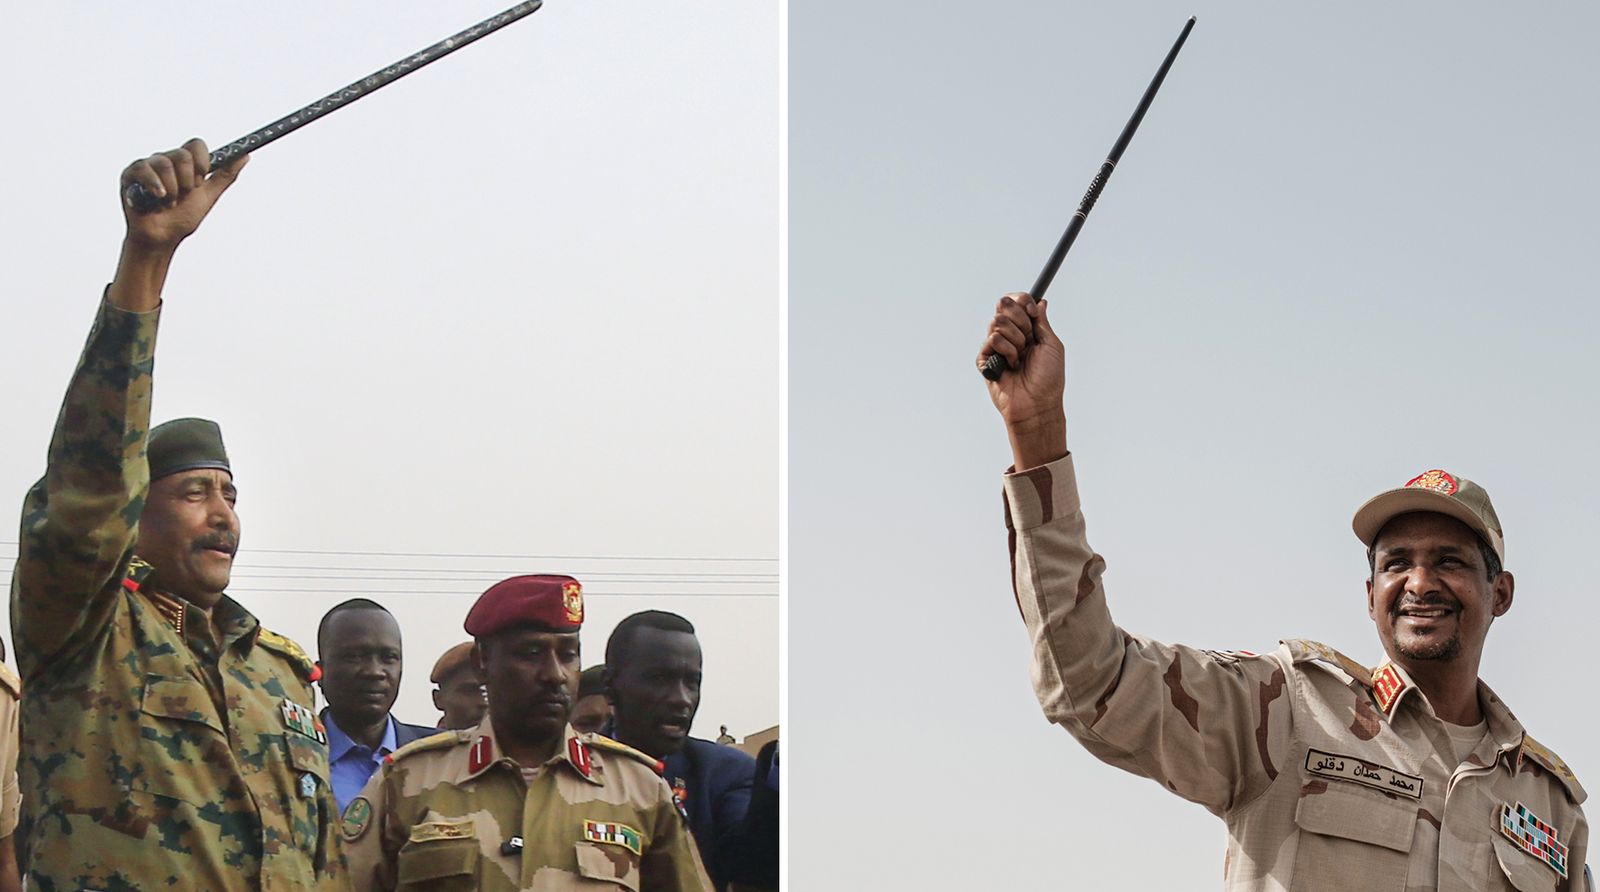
x: 187, y: 189
x: 1028, y: 394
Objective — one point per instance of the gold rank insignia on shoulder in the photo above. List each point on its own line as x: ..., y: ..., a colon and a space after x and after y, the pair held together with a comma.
x: 1386, y: 686
x: 302, y: 720
x: 613, y: 834
x: 1533, y: 836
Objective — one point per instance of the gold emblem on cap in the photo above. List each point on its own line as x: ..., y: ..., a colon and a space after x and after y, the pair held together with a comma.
x: 1435, y: 480
x: 572, y: 599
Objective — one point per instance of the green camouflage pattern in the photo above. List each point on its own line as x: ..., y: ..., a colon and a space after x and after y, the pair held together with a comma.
x: 152, y: 757
x: 1324, y: 782
x: 439, y: 816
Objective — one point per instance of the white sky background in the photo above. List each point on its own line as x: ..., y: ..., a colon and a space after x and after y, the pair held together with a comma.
x: 522, y: 302
x: 1347, y: 245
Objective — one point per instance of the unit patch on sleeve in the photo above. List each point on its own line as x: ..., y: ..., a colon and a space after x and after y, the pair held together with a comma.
x: 613, y: 834
x: 1533, y: 836
x: 357, y: 815
x: 1371, y: 774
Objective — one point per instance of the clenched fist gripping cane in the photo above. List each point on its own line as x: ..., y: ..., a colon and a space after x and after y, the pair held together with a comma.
x: 143, y: 202
x: 994, y: 365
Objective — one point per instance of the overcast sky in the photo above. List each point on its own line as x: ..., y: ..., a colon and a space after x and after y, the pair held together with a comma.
x: 521, y: 304
x: 1348, y: 244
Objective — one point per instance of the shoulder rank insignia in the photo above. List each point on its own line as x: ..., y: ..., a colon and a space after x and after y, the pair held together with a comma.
x: 602, y: 742
x: 1533, y: 836
x: 1304, y: 650
x: 138, y: 570
x: 443, y: 740
x: 1533, y: 749
x: 1387, y: 683
x: 276, y: 643
x: 613, y: 834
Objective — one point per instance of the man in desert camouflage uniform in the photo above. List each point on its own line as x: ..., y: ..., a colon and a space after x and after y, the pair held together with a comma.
x: 168, y: 739
x: 522, y: 801
x: 1330, y: 776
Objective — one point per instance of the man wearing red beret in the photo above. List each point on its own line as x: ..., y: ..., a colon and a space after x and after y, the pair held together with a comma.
x: 522, y: 801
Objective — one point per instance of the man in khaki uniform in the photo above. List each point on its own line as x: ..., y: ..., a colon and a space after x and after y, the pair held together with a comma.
x: 1330, y: 776
x: 10, y: 797
x: 522, y: 801
x: 168, y: 740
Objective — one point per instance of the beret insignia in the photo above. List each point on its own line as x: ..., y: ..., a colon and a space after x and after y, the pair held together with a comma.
x: 572, y: 600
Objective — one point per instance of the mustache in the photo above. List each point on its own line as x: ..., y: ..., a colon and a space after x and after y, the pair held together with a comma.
x: 1424, y: 603
x: 228, y: 542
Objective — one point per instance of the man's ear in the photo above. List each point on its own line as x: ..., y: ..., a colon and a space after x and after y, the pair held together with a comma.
x: 1505, y: 587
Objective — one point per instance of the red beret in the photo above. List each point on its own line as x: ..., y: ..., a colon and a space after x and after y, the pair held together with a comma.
x: 553, y: 603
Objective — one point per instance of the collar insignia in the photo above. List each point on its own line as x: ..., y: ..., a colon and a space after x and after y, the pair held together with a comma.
x: 1387, y: 685
x: 481, y: 754
x: 1533, y: 836
x: 578, y: 755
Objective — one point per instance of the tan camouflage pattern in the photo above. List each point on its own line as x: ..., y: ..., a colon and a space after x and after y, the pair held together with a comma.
x: 153, y: 757
x: 444, y: 806
x: 1246, y: 736
x: 10, y: 797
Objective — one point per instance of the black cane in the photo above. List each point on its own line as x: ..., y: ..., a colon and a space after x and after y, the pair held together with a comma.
x: 994, y: 365
x: 144, y: 202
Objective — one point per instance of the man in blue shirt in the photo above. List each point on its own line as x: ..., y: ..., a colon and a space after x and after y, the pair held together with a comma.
x: 358, y: 648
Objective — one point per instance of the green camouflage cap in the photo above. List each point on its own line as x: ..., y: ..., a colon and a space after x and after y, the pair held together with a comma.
x: 184, y: 444
x: 1439, y: 492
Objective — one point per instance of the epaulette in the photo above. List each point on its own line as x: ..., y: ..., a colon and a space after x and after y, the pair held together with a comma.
x: 138, y: 570
x: 276, y: 643
x: 1306, y: 651
x: 1533, y: 749
x: 10, y: 680
x: 601, y: 742
x: 443, y: 740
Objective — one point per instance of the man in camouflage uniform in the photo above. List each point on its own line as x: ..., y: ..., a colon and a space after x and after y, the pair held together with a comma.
x: 168, y: 739
x: 1330, y: 776
x: 522, y: 802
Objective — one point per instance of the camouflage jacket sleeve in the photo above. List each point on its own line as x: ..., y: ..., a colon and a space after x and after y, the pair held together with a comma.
x: 672, y: 863
x: 1206, y: 725
x: 79, y: 523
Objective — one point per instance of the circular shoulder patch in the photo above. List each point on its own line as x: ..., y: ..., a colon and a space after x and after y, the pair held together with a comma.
x: 357, y: 815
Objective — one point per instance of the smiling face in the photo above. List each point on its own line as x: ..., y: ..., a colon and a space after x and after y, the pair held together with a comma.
x: 1430, y: 594
x: 655, y: 691
x: 189, y: 532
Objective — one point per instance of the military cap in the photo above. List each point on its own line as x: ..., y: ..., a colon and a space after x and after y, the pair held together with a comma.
x: 452, y: 661
x: 553, y: 603
x: 592, y: 680
x: 184, y: 444
x: 1439, y: 492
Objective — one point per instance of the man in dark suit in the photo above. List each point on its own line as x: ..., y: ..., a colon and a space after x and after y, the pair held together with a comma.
x: 358, y: 649
x: 653, y: 681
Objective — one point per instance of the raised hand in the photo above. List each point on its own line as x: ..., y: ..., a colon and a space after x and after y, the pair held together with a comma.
x: 1028, y: 394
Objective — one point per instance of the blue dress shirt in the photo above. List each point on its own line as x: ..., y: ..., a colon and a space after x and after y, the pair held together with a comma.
x: 351, y: 763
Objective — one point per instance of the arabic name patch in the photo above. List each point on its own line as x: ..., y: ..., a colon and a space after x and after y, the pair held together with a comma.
x: 1370, y: 774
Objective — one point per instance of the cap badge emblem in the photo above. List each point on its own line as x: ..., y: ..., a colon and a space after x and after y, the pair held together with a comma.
x: 1435, y: 480
x: 572, y: 600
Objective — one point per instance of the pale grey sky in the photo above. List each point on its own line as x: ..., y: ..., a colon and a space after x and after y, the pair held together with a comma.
x: 1348, y: 244
x: 522, y: 303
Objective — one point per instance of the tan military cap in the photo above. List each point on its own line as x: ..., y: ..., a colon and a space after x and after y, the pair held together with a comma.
x: 452, y: 661
x: 1439, y: 492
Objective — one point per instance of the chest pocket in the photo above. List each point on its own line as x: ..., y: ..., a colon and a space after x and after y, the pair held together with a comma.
x: 611, y: 864
x: 308, y: 764
x: 1347, y: 833
x: 178, y: 728
x: 442, y: 857
x: 1522, y: 871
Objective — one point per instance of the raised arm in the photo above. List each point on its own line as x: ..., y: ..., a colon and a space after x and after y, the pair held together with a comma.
x: 79, y: 522
x: 1213, y: 728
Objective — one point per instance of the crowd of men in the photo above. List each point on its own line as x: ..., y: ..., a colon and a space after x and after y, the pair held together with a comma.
x: 167, y: 740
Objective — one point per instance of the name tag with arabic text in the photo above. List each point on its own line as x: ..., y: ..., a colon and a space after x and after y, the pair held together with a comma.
x: 1370, y: 774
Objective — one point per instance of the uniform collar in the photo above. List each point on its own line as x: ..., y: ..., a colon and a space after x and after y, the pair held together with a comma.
x: 575, y: 754
x: 235, y: 622
x: 1391, y: 684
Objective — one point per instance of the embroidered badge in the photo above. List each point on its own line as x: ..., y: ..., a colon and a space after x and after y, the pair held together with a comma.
x: 1436, y: 480
x: 1361, y: 771
x: 1533, y: 836
x: 1387, y: 685
x: 302, y: 720
x: 572, y: 599
x: 357, y: 815
x: 308, y: 785
x: 579, y: 754
x: 613, y: 834
x: 433, y: 830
